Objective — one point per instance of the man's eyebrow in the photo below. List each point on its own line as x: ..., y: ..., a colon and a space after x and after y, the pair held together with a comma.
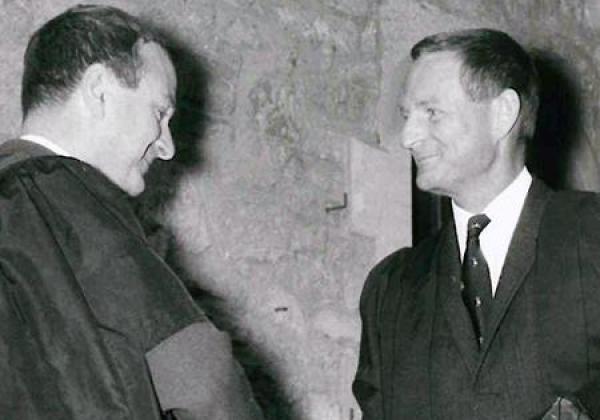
x: 419, y: 104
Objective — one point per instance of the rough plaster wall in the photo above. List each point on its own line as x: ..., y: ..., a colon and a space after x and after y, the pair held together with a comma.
x: 298, y: 83
x: 301, y: 109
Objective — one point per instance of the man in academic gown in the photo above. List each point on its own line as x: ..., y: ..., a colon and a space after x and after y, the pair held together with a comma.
x: 497, y: 316
x: 94, y: 324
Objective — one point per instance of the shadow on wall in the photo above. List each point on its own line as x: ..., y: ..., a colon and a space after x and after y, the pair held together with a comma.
x: 559, y: 123
x: 188, y: 128
x: 268, y: 391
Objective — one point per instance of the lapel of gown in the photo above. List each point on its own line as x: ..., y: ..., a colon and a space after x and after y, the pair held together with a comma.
x: 519, y: 259
x: 109, y: 194
x: 450, y: 296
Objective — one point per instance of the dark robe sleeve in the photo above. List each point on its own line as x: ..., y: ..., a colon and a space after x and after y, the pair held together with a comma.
x: 56, y: 355
x: 85, y: 300
x: 588, y: 396
x: 367, y: 382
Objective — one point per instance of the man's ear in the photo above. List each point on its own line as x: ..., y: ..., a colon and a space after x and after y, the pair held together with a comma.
x: 505, y: 113
x: 94, y: 87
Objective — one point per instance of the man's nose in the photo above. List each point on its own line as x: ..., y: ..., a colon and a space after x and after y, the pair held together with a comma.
x: 165, y: 148
x: 412, y: 131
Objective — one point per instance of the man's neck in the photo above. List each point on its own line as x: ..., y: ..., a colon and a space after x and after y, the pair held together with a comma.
x: 475, y: 198
x: 521, y: 183
x: 46, y: 143
x: 61, y: 129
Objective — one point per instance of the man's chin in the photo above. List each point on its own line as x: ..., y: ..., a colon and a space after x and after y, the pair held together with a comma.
x: 136, y: 192
x: 135, y: 188
x: 426, y: 183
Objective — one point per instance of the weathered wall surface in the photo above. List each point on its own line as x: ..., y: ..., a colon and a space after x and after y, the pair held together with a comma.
x: 296, y: 88
x: 285, y: 107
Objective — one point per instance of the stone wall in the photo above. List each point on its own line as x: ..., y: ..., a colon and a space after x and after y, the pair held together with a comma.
x: 290, y: 181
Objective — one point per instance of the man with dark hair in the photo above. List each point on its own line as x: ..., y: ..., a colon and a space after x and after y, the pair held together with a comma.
x: 497, y: 315
x: 94, y: 324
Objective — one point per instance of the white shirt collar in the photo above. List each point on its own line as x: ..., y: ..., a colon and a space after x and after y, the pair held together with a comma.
x: 504, y: 211
x: 44, y: 142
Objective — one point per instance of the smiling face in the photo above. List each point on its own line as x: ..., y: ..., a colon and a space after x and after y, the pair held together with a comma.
x: 448, y: 134
x: 137, y: 121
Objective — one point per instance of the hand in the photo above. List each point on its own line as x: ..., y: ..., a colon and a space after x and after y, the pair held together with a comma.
x: 564, y: 409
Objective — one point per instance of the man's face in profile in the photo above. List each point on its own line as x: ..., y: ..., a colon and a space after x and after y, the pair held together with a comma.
x: 447, y: 133
x: 139, y: 121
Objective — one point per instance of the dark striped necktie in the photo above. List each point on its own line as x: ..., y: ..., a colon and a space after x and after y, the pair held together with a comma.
x: 477, y: 291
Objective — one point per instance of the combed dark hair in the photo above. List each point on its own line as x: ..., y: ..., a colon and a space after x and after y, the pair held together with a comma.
x: 491, y: 62
x: 61, y: 50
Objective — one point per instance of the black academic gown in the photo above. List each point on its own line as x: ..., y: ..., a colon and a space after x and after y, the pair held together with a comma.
x: 84, y: 299
x: 419, y: 358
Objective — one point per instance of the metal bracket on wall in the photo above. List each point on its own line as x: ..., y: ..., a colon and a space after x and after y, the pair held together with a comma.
x: 338, y: 206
